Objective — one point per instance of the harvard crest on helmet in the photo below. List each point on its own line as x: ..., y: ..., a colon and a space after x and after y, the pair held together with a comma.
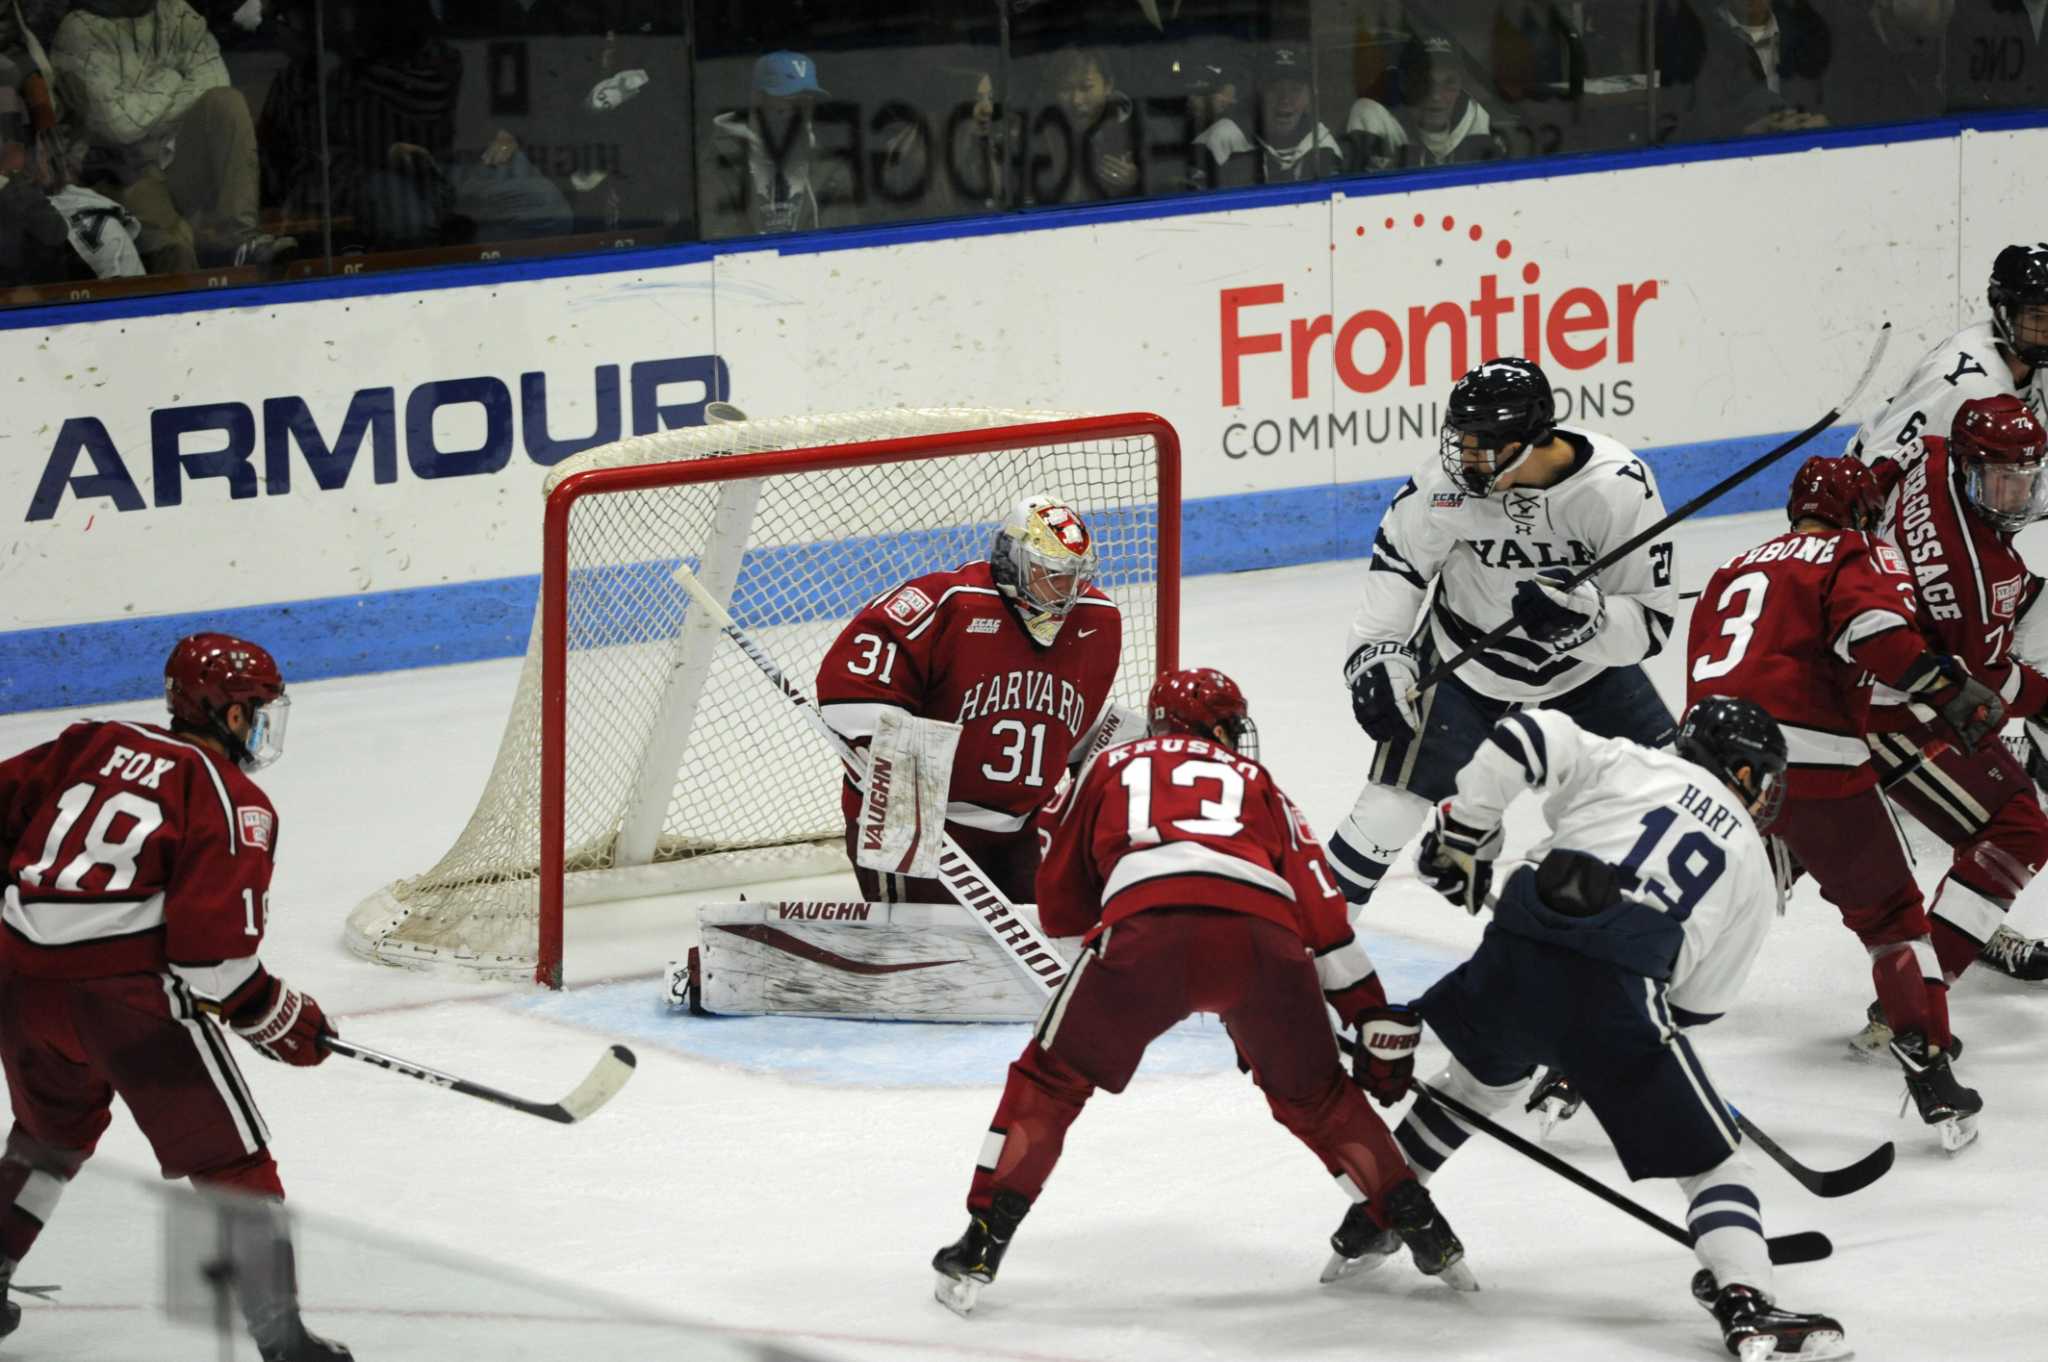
x: 1999, y: 446
x: 1198, y: 701
x: 2019, y: 279
x: 1842, y: 491
x: 206, y: 673
x: 1502, y: 402
x: 1725, y: 735
x: 1043, y: 559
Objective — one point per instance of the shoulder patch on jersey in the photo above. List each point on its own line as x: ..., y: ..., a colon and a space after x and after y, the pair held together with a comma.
x: 1446, y: 501
x: 257, y: 826
x: 908, y: 605
x: 985, y: 624
x: 2005, y: 595
x: 1889, y: 559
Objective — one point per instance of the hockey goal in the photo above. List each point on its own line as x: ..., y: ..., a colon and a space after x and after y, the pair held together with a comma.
x: 643, y: 755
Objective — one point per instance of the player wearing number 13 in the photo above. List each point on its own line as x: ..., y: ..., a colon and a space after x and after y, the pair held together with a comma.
x: 1019, y: 650
x: 138, y: 889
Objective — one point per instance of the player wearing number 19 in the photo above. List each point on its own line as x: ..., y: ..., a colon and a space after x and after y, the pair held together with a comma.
x: 1019, y: 651
x: 138, y: 889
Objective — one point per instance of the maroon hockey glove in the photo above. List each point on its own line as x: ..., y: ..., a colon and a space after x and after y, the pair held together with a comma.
x: 281, y: 1022
x: 1969, y: 709
x: 1384, y: 1062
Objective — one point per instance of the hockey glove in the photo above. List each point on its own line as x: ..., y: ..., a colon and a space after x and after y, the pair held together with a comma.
x: 1384, y: 1062
x: 281, y: 1022
x: 1457, y: 859
x: 1968, y: 708
x: 1381, y: 675
x: 1564, y: 618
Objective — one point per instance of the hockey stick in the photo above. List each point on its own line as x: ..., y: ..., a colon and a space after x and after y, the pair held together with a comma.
x: 1823, y: 1182
x: 1024, y: 945
x: 1807, y: 1246
x: 1747, y: 471
x: 600, y: 1087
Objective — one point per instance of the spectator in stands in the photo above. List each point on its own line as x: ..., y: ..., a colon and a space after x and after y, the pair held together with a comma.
x: 1085, y: 139
x: 289, y: 155
x: 52, y: 232
x: 1439, y: 122
x: 1997, y: 56
x: 1740, y: 67
x: 982, y: 149
x: 1286, y: 142
x: 392, y: 102
x: 156, y: 125
x: 780, y: 181
x: 1209, y: 88
x: 42, y: 16
x: 1887, y: 65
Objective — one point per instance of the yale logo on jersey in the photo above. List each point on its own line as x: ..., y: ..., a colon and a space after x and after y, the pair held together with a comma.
x: 985, y: 624
x: 1446, y: 501
x: 1537, y: 553
x: 2005, y: 596
x: 907, y: 605
x: 256, y: 826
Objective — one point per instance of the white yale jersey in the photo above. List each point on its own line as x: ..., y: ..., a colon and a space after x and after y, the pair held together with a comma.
x: 1692, y: 848
x: 1474, y: 549
x: 1967, y: 365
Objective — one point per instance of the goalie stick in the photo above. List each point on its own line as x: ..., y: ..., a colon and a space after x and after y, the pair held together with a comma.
x: 1747, y: 471
x: 599, y: 1087
x: 1022, y: 944
x: 1829, y: 1182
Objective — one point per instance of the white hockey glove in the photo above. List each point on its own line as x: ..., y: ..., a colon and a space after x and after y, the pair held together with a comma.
x: 1457, y: 859
x: 1382, y: 677
x: 1563, y: 619
x: 903, y: 800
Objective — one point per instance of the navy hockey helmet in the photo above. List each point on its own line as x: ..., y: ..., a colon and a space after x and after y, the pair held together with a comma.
x: 1503, y: 402
x: 1198, y: 701
x: 2019, y: 281
x: 1726, y: 735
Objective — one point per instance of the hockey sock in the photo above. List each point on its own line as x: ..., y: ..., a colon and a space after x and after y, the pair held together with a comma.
x: 32, y: 1179
x: 1908, y: 979
x: 1428, y: 1135
x: 1040, y: 1100
x: 254, y: 1176
x: 1340, y: 1127
x: 1727, y: 1224
x: 1371, y: 837
x: 1359, y: 869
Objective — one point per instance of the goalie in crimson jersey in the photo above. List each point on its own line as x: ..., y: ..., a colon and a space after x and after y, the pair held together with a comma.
x: 1200, y: 889
x: 1801, y: 625
x: 1019, y: 651
x: 138, y: 889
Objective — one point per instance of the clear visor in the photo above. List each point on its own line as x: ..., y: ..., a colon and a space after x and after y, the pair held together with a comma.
x: 2011, y: 495
x: 1768, y: 800
x: 265, y: 742
x: 1054, y: 586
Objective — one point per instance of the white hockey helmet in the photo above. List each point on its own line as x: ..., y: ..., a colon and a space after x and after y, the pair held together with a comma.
x: 1043, y: 560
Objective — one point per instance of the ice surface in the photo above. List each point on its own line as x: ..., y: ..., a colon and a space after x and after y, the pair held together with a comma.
x: 789, y: 1180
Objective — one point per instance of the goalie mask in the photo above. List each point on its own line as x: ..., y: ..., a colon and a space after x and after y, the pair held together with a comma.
x: 1043, y: 560
x: 1502, y: 403
x: 1999, y: 447
x: 206, y: 673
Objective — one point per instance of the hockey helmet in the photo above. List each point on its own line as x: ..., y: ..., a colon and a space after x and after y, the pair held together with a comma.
x: 1841, y: 491
x: 1502, y: 402
x: 2019, y: 281
x: 1999, y: 447
x: 1198, y: 701
x: 1726, y: 735
x: 206, y: 673
x: 1043, y: 560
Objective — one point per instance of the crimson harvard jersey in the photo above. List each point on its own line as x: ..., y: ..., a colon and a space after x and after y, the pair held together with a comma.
x: 1178, y: 822
x: 1799, y: 624
x: 1974, y: 587
x: 949, y: 646
x: 130, y: 850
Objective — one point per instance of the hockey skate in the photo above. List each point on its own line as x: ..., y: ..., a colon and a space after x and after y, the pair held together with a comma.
x: 1359, y: 1246
x: 1429, y: 1237
x: 298, y: 1344
x: 970, y: 1263
x: 2015, y: 956
x: 1553, y: 1099
x: 1931, y: 1084
x: 1757, y: 1331
x: 1873, y: 1042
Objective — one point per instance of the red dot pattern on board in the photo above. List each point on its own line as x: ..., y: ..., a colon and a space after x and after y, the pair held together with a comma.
x: 1504, y: 248
x: 1390, y: 222
x: 1419, y: 219
x: 1530, y: 273
x: 1476, y: 232
x: 1361, y: 231
x: 1449, y: 222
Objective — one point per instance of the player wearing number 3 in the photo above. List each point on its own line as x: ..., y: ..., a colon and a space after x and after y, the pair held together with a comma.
x: 138, y: 887
x: 1019, y: 651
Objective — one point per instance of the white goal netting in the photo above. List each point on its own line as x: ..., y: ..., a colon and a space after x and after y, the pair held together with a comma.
x: 682, y: 767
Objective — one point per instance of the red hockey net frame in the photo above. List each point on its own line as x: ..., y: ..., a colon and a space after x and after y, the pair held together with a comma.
x: 597, y: 482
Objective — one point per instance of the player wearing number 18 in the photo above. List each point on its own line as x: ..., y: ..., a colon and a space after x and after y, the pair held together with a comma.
x: 137, y: 893
x: 998, y: 671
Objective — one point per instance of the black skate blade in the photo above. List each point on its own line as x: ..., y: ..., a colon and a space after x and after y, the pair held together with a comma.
x: 1806, y: 1246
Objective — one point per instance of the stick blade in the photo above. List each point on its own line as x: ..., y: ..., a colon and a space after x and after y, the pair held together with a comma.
x: 600, y: 1087
x: 1858, y: 1175
x: 1806, y: 1246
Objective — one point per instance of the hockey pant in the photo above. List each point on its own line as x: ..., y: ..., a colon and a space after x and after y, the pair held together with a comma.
x: 1139, y: 978
x: 1009, y: 859
x: 1853, y: 853
x: 1983, y: 805
x: 70, y: 1046
x: 1411, y: 774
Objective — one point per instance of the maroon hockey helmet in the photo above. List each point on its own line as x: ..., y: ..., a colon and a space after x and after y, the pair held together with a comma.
x: 1200, y: 700
x: 206, y: 673
x: 1999, y: 447
x: 1842, y: 491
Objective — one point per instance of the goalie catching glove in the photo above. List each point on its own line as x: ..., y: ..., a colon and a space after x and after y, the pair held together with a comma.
x: 903, y: 795
x: 281, y: 1022
x: 1457, y: 859
x: 1557, y: 614
x: 1382, y: 680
